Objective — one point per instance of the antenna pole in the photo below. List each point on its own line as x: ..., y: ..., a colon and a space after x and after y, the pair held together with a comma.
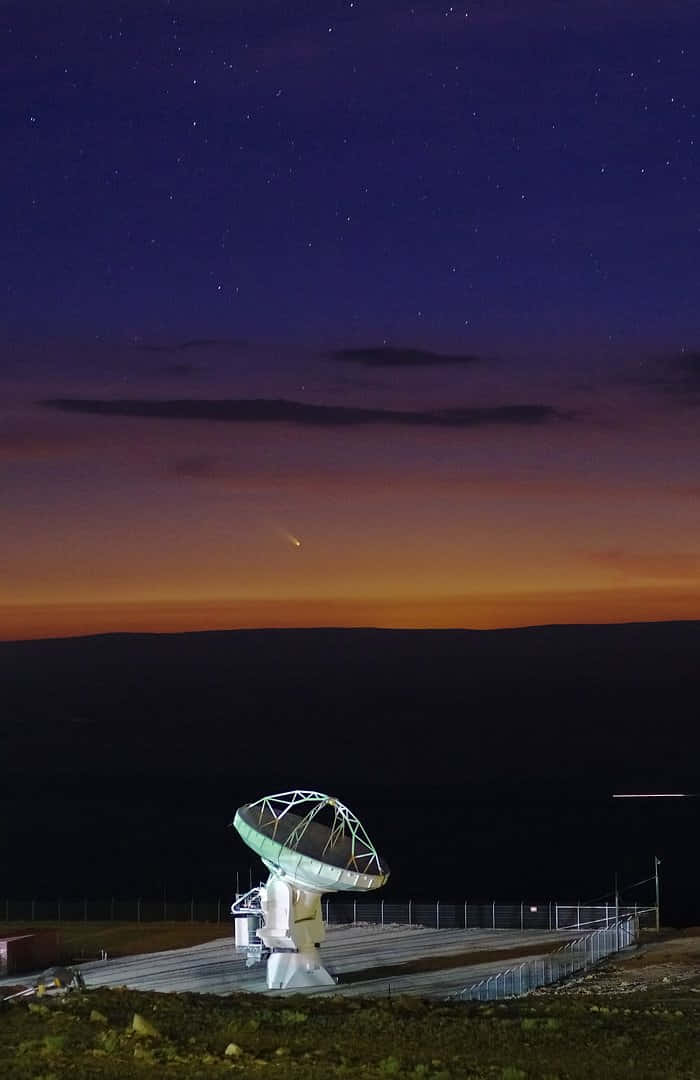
x: 657, y: 884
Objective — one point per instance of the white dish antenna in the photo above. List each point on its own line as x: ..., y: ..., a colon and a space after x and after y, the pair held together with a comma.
x: 311, y: 844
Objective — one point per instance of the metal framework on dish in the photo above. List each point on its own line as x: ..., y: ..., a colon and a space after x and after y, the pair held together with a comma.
x: 306, y: 857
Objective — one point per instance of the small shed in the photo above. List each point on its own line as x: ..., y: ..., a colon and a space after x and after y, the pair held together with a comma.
x: 28, y: 950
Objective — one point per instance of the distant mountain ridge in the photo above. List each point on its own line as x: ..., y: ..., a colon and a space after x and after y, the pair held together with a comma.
x: 613, y: 629
x: 517, y: 698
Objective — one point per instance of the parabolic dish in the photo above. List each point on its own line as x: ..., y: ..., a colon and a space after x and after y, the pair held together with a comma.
x: 287, y: 834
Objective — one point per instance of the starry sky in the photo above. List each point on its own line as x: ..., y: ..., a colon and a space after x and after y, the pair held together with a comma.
x: 348, y: 313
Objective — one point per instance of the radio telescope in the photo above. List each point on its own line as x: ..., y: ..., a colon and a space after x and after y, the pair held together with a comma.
x: 311, y: 844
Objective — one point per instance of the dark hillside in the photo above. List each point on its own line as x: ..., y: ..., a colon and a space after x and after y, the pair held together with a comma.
x: 483, y: 761
x: 463, y: 706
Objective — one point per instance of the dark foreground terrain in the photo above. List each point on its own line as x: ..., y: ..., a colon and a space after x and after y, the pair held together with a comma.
x: 118, y: 1035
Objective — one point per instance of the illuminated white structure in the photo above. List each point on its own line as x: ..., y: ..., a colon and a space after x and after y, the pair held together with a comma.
x: 306, y: 856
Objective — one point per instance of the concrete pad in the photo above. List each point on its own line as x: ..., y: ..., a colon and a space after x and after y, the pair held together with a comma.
x: 351, y: 953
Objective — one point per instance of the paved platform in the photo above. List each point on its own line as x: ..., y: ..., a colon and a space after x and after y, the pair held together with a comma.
x: 369, y: 960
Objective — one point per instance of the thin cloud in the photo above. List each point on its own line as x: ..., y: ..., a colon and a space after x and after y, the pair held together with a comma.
x: 195, y: 343
x: 688, y: 367
x: 266, y: 411
x: 202, y: 467
x: 237, y: 480
x: 670, y: 566
x: 274, y: 475
x: 27, y: 445
x: 268, y: 478
x: 180, y: 371
x: 391, y: 357
x: 677, y: 376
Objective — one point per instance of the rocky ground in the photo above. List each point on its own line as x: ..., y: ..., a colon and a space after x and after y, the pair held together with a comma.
x: 637, y: 1016
x: 670, y: 961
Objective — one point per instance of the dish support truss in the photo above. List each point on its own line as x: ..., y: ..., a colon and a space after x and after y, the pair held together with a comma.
x: 363, y: 858
x: 290, y: 903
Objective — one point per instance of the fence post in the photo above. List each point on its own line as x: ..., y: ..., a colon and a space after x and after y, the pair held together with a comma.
x: 623, y: 933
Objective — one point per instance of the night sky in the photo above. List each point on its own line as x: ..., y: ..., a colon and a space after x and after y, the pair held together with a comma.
x: 349, y: 313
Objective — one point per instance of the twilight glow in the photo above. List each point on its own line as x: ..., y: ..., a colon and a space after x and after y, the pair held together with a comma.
x: 116, y: 521
x: 350, y: 314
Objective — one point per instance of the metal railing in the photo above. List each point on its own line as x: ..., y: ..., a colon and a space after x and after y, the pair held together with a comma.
x: 438, y: 914
x: 581, y: 954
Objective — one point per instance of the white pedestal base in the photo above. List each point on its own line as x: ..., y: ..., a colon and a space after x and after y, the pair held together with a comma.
x: 286, y: 970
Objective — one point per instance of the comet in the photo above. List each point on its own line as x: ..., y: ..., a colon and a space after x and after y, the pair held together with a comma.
x: 293, y: 540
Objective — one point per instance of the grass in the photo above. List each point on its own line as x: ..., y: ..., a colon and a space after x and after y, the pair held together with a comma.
x: 84, y: 940
x: 652, y: 1036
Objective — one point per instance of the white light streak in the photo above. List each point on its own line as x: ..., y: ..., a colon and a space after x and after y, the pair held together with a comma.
x: 656, y: 795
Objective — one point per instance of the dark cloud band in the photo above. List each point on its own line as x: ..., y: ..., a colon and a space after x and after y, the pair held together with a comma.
x: 386, y: 356
x: 265, y: 410
x: 195, y: 343
x: 677, y: 376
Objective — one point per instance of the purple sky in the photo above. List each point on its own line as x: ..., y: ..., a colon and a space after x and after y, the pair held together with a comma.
x: 414, y: 285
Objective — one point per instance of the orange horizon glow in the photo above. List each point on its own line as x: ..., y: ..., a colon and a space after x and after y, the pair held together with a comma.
x: 477, y: 612
x: 117, y: 523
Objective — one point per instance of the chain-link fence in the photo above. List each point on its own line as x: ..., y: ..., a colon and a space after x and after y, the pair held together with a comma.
x: 575, y: 956
x: 441, y: 915
x: 115, y: 910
